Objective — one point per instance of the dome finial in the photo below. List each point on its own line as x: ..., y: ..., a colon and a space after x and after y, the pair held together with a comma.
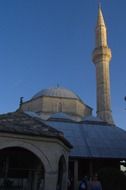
x: 20, y: 105
x: 58, y: 85
x: 21, y: 102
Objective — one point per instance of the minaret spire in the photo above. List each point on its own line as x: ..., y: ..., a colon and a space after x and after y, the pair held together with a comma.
x: 100, y: 20
x: 101, y: 58
x: 101, y: 34
x: 99, y: 4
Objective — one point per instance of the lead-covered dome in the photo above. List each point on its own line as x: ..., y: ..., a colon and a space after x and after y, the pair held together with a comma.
x: 57, y: 100
x: 57, y: 92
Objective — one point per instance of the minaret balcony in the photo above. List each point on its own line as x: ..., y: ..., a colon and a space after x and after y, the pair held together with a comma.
x: 101, y: 53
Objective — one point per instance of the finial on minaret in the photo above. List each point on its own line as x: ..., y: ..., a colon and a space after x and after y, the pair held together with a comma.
x: 99, y: 4
x: 101, y: 58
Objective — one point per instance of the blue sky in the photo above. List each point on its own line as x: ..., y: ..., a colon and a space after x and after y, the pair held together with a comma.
x: 48, y: 42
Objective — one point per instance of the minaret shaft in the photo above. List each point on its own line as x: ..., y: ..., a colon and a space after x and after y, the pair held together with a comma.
x: 101, y: 36
x: 101, y: 58
x: 103, y: 87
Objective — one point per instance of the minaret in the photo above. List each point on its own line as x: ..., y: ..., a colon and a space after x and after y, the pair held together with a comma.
x: 101, y: 58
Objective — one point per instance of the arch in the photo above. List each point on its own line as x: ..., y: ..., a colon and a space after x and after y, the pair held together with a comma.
x: 20, y: 169
x: 62, y: 171
x: 31, y: 147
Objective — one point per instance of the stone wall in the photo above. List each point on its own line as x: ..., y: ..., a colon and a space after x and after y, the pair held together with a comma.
x: 50, y: 105
x: 48, y: 150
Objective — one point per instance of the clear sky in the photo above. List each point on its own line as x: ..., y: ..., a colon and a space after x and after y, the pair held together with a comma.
x: 48, y: 42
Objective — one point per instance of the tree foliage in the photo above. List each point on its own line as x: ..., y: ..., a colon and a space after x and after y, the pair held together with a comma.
x: 112, y: 179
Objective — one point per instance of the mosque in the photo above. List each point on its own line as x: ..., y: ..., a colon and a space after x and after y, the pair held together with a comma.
x: 55, y: 135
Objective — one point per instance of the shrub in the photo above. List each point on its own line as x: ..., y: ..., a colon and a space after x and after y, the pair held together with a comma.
x: 112, y: 179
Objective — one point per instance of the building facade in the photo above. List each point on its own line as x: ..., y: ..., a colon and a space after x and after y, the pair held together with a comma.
x: 35, y: 133
x: 33, y: 156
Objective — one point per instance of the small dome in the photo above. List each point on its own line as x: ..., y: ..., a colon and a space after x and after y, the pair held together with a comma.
x: 56, y: 92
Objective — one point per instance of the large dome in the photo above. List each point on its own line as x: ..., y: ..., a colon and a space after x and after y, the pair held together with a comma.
x: 57, y: 100
x: 56, y: 92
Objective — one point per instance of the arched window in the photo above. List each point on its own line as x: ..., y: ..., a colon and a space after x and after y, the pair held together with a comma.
x: 60, y: 107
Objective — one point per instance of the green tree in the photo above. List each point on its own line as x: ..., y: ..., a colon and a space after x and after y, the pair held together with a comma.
x: 112, y: 179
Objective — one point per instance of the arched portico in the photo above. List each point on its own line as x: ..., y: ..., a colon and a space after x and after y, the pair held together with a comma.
x: 29, y: 153
x: 30, y: 147
x: 43, y: 166
x: 20, y: 169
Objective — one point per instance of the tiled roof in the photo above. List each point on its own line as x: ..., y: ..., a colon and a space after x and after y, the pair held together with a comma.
x: 20, y: 123
x: 93, y: 139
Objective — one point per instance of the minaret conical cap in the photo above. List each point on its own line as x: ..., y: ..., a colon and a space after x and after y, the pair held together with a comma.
x: 100, y: 19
